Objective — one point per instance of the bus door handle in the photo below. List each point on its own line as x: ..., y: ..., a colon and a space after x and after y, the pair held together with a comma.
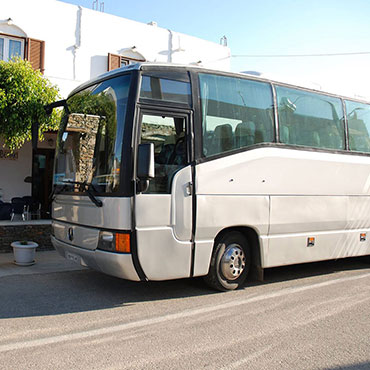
x: 189, y: 188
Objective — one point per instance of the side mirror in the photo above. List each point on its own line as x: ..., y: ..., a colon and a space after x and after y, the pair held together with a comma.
x: 145, y: 165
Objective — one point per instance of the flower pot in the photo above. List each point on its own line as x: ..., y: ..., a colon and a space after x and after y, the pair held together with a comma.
x: 24, y: 254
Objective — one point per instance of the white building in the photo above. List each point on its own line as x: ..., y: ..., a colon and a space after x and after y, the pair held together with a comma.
x: 70, y: 45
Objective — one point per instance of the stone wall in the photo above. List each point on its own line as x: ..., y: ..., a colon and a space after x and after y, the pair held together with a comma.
x: 83, y: 128
x: 39, y: 233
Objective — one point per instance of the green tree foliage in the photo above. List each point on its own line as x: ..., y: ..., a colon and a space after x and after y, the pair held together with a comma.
x: 23, y: 95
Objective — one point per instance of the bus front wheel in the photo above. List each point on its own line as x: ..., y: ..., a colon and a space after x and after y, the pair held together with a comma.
x: 230, y: 262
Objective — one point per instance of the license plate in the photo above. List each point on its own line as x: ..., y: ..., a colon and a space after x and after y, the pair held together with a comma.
x: 73, y: 257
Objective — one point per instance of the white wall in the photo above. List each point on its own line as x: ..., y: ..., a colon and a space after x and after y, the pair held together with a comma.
x: 14, y: 171
x: 78, y: 40
x: 77, y: 43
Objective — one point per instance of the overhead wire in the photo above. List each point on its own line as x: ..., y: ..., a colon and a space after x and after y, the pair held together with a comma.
x: 298, y: 55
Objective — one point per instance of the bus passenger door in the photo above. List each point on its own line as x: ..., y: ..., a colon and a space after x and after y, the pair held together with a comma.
x: 163, y: 213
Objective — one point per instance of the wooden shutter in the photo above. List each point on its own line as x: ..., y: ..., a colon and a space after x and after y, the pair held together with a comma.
x: 35, y: 53
x: 114, y: 61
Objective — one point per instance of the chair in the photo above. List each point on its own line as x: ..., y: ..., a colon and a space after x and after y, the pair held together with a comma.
x: 19, y: 208
x: 358, y: 135
x: 33, y: 207
x: 223, y: 138
x: 245, y: 134
x: 5, y: 211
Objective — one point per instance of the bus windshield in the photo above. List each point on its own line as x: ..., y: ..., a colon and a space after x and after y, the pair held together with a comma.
x: 89, y: 147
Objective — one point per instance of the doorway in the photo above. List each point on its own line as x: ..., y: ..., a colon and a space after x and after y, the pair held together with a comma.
x: 164, y: 212
x: 42, y: 178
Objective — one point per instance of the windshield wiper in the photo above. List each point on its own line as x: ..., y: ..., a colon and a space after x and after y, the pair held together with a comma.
x: 86, y: 187
x: 56, y: 191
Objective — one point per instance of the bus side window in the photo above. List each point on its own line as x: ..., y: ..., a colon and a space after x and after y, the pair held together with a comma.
x: 310, y: 119
x: 237, y: 113
x: 359, y: 126
x: 169, y: 139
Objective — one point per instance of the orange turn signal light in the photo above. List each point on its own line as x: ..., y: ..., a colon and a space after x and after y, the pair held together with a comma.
x: 123, y: 243
x: 310, y: 242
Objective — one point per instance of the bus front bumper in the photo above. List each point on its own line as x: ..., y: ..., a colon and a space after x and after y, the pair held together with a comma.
x: 115, y: 264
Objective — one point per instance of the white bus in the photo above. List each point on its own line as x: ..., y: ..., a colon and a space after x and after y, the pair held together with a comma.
x: 166, y: 172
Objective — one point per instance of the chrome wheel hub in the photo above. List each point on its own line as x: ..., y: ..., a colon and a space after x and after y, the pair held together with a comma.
x: 232, y: 262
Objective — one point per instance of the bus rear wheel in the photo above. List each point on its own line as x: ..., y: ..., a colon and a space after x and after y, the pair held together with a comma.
x: 230, y: 262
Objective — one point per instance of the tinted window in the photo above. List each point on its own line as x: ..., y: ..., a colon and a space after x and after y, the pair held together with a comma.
x: 310, y: 119
x: 90, y: 137
x: 358, y: 116
x: 164, y: 89
x: 237, y: 113
x: 168, y: 136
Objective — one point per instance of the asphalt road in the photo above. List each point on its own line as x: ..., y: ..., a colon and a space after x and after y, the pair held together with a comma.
x: 314, y: 316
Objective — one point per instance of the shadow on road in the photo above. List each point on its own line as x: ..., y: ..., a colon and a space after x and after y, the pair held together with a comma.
x: 306, y: 270
x: 359, y: 366
x: 87, y: 290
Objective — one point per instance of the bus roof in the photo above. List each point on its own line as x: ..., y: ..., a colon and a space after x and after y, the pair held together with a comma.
x: 186, y: 67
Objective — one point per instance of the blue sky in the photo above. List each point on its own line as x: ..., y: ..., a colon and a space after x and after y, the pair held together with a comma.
x: 267, y: 27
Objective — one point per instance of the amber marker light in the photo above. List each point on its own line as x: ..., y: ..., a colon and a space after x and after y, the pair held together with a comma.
x: 123, y: 243
x: 310, y: 242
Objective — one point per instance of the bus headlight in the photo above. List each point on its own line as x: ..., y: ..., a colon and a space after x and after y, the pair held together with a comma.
x: 114, y: 242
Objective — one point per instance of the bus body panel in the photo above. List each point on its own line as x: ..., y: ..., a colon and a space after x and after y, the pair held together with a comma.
x: 305, y: 214
x: 202, y: 256
x: 154, y: 210
x: 115, y: 213
x: 119, y: 265
x: 286, y: 249
x: 161, y: 255
x: 358, y: 212
x: 181, y: 203
x: 76, y: 235
x: 173, y: 209
x: 76, y: 226
x: 163, y: 229
x: 287, y: 196
x: 218, y: 212
x: 285, y: 171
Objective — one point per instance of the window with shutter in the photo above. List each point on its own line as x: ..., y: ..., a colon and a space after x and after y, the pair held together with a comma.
x: 15, y: 45
x: 11, y: 47
x: 35, y: 52
x: 116, y: 61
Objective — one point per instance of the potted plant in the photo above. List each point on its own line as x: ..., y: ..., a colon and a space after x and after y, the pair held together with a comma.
x: 24, y: 252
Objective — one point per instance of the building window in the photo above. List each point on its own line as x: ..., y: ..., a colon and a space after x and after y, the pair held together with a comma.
x: 26, y: 48
x: 11, y: 48
x: 1, y: 49
x: 116, y: 61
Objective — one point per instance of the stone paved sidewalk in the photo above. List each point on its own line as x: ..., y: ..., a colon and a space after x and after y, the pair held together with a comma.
x: 46, y: 262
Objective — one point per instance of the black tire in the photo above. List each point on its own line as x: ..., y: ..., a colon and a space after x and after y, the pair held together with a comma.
x: 225, y: 276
